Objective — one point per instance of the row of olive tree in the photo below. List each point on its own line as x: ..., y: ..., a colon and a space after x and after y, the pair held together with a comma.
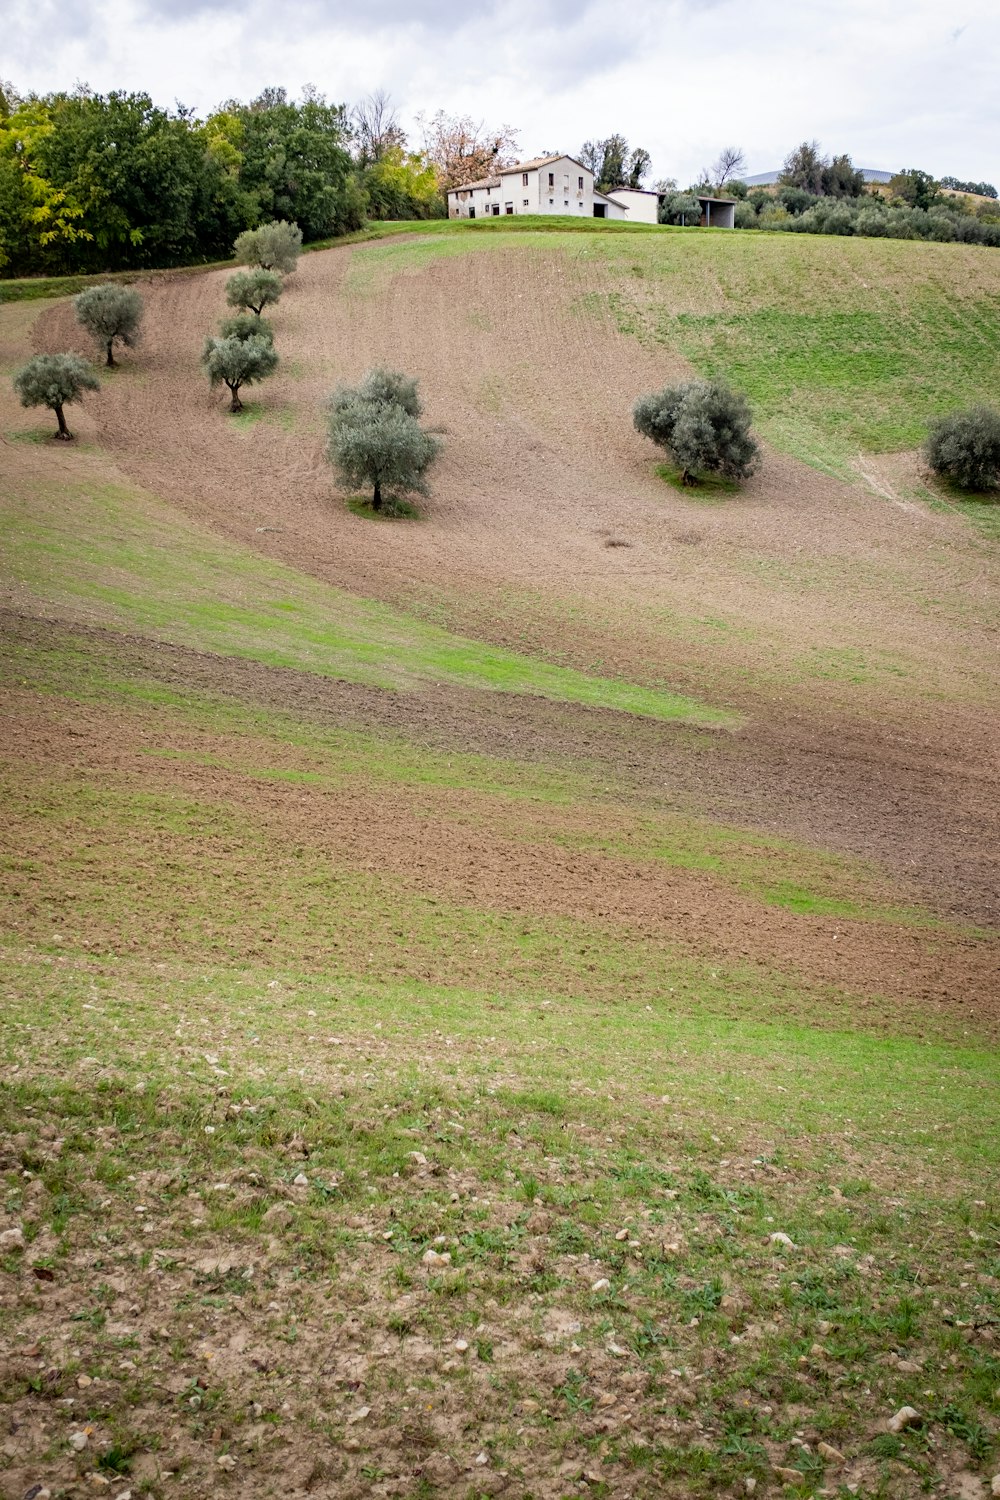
x: 244, y: 353
x: 111, y: 315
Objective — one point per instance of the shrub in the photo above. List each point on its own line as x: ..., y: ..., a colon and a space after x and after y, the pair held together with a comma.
x: 375, y: 438
x: 252, y: 291
x: 965, y: 448
x: 54, y: 380
x: 274, y: 247
x: 246, y: 326
x: 680, y: 208
x: 110, y: 314
x: 745, y: 216
x: 704, y: 424
x: 235, y: 362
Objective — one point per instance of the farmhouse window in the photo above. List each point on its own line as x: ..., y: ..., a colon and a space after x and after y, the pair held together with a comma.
x: 552, y: 179
x: 565, y: 203
x: 524, y: 202
x: 551, y: 201
x: 579, y: 183
x: 524, y: 179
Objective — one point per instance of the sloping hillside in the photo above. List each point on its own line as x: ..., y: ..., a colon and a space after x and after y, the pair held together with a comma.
x: 503, y: 1002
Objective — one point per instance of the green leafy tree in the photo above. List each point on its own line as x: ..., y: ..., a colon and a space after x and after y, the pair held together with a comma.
x: 842, y: 179
x: 273, y: 247
x: 236, y: 362
x: 375, y: 439
x: 296, y: 164
x: 402, y: 185
x: 914, y: 187
x: 55, y: 380
x: 704, y: 424
x: 613, y: 164
x: 110, y: 314
x: 246, y: 326
x: 804, y: 168
x: 252, y: 291
x: 965, y: 448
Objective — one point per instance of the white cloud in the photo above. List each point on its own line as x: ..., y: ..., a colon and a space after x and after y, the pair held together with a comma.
x: 894, y: 82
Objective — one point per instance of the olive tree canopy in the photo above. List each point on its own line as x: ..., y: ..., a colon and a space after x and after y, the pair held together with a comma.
x: 252, y: 291
x: 111, y: 314
x: 274, y: 247
x: 54, y: 380
x: 375, y: 438
x: 246, y: 326
x: 965, y: 448
x: 235, y: 362
x: 705, y: 425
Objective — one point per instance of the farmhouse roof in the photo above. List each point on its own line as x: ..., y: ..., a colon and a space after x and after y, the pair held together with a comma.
x: 541, y: 161
x: 623, y: 187
x: 465, y: 187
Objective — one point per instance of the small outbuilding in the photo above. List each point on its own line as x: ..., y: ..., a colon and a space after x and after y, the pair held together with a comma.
x: 717, y: 213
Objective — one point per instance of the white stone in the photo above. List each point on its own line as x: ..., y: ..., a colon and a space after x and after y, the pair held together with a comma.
x: 433, y: 1258
x: 300, y: 1181
x: 226, y: 1461
x: 782, y: 1239
x: 905, y: 1417
x: 12, y: 1240
x: 359, y: 1415
x: 78, y: 1441
x: 601, y: 1286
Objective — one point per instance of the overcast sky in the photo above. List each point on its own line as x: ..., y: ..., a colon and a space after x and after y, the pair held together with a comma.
x: 895, y: 83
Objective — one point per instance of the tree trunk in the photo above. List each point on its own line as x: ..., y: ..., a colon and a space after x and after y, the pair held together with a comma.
x: 377, y: 497
x: 236, y: 404
x: 688, y: 478
x: 111, y: 358
x: 64, y: 431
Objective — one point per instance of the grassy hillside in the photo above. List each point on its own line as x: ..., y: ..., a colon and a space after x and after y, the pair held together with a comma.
x: 503, y: 1003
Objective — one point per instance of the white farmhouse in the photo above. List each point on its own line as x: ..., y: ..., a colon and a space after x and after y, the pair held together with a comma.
x: 547, y: 185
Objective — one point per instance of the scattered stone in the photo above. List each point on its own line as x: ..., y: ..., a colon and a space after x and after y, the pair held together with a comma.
x: 12, y: 1240
x: 83, y: 1381
x: 461, y: 1345
x: 38, y: 1492
x: 622, y: 1234
x: 301, y: 1181
x: 909, y: 1367
x: 818, y: 1352
x: 482, y: 1458
x: 78, y: 1441
x: 778, y: 1238
x: 603, y: 1285
x: 226, y: 1461
x: 905, y: 1417
x: 418, y: 1158
x: 995, y: 1485
x: 789, y: 1476
x: 831, y: 1454
x: 749, y: 1484
x: 617, y: 1350
x: 359, y: 1415
x: 436, y: 1258
x: 124, y: 1495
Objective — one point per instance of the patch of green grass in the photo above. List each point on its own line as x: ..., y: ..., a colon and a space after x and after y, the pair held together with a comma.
x: 710, y: 489
x: 142, y: 568
x: 393, y: 508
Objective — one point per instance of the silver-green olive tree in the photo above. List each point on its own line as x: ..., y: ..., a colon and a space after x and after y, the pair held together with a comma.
x: 252, y: 291
x: 704, y: 424
x: 965, y: 448
x: 375, y: 438
x: 275, y: 246
x: 111, y: 315
x: 236, y: 362
x: 54, y: 380
x: 246, y: 326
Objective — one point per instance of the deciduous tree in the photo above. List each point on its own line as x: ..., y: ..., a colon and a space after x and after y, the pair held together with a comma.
x: 111, y: 314
x: 463, y: 149
x: 55, y: 380
x: 730, y: 162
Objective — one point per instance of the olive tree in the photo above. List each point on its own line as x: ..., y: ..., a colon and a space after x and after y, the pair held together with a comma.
x: 704, y: 424
x: 965, y: 448
x: 235, y: 362
x: 375, y: 438
x: 246, y: 326
x: 54, y: 380
x: 680, y: 208
x: 110, y: 314
x: 275, y: 246
x: 252, y: 291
